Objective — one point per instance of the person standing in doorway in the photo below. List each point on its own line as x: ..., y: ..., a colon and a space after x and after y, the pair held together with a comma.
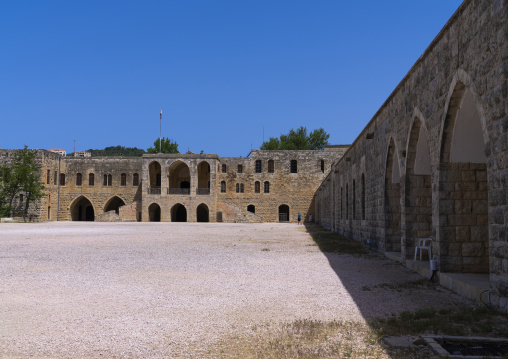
x: 310, y: 218
x: 299, y: 218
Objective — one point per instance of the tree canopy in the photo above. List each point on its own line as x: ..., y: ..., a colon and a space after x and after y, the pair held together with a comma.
x: 167, y: 145
x: 18, y: 177
x: 298, y: 140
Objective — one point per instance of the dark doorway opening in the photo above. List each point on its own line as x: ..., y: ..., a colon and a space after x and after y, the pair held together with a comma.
x: 202, y: 213
x: 178, y: 213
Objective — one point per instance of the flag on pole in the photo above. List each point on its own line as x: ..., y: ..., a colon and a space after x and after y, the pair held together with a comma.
x: 161, y: 113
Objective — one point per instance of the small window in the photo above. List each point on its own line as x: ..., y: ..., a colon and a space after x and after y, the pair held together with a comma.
x: 251, y: 208
x: 294, y: 166
x: 62, y: 179
x: 135, y: 179
x: 259, y: 166
x: 55, y: 178
x: 257, y: 187
x: 223, y: 187
x: 107, y: 180
x: 224, y: 168
x: 48, y: 177
x: 79, y: 179
x: 240, y: 168
x: 105, y: 183
x: 267, y: 187
x: 323, y: 166
x: 110, y: 180
x: 242, y: 188
x: 123, y: 179
x: 271, y: 167
x: 91, y: 179
x: 238, y: 188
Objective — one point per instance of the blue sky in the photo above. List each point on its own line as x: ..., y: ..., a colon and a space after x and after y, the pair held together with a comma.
x: 98, y: 72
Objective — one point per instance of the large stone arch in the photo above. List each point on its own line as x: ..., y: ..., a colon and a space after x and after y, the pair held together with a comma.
x: 154, y: 212
x: 82, y: 209
x: 203, y: 177
x: 179, y: 178
x: 202, y: 213
x: 462, y: 231
x: 392, y: 196
x: 154, y: 177
x: 178, y: 213
x: 114, y: 204
x: 417, y: 219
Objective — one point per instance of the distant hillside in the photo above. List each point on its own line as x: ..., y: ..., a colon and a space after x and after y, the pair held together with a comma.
x: 116, y: 151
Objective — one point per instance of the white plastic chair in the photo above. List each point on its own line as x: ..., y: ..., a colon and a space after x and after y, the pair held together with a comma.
x: 424, y: 243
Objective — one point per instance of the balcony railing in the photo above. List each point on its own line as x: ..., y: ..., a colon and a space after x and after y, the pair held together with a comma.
x: 178, y: 190
x: 154, y: 190
x: 203, y: 191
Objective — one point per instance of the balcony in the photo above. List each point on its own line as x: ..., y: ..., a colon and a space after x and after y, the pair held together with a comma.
x: 183, y: 191
x: 203, y: 191
x: 154, y: 190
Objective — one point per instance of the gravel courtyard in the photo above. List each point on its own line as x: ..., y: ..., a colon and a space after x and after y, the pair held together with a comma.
x: 75, y: 289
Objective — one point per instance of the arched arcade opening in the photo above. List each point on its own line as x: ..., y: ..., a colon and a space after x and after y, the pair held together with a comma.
x: 154, y: 212
x: 82, y: 210
x: 178, y: 213
x: 179, y: 179
x: 202, y: 213
x: 392, y: 200
x: 114, y: 204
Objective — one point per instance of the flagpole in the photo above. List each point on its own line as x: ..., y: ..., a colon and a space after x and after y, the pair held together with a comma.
x: 160, y: 133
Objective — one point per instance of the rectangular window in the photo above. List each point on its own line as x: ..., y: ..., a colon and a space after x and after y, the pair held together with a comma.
x: 224, y: 168
x: 78, y: 179
x: 271, y: 167
x: 135, y: 179
x: 267, y: 187
x: 55, y: 178
x: 323, y: 166
x: 223, y: 187
x: 62, y: 179
x: 259, y: 167
x: 294, y: 166
x: 48, y: 177
x: 240, y: 168
x: 257, y: 187
x: 91, y: 179
x: 219, y: 216
x: 123, y: 179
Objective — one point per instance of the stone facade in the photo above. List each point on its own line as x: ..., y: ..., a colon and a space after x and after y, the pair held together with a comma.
x: 182, y: 187
x: 433, y: 159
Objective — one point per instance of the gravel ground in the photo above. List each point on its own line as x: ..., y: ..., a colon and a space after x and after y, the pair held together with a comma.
x: 155, y: 290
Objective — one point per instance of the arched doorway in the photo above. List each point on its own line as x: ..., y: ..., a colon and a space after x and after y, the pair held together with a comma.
x: 82, y: 210
x: 251, y: 208
x: 392, y: 201
x: 203, y: 178
x: 178, y: 213
x: 463, y: 193
x: 283, y: 213
x: 418, y: 189
x: 202, y: 213
x: 154, y: 212
x: 179, y: 179
x: 154, y: 173
x: 114, y: 204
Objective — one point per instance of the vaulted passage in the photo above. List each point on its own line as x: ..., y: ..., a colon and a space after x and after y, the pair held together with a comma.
x: 392, y: 201
x: 114, y: 204
x: 154, y: 172
x: 202, y: 213
x: 154, y: 212
x: 203, y: 178
x: 418, y: 211
x: 178, y: 213
x: 82, y: 210
x: 463, y: 195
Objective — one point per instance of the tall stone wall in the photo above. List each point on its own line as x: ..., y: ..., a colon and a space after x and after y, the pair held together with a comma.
x: 457, y: 94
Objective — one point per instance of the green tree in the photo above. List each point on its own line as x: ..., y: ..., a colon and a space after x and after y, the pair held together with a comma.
x: 298, y: 140
x: 20, y: 176
x: 167, y: 146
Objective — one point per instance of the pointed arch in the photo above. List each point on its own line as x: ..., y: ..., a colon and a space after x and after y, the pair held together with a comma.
x: 178, y: 213
x: 154, y: 212
x: 392, y: 195
x: 202, y: 213
x: 179, y: 178
x: 82, y: 209
x: 114, y: 204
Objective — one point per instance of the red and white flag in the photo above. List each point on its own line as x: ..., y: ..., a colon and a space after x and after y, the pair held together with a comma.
x: 161, y: 113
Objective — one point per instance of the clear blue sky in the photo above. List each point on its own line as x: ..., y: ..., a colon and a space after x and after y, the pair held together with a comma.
x: 98, y: 72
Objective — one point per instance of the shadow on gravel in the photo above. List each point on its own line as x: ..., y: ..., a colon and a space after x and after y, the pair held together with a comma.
x: 397, y: 301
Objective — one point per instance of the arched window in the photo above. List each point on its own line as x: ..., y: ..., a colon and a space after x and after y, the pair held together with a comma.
x: 294, y: 166
x: 271, y: 167
x: 259, y: 166
x: 135, y: 179
x: 224, y: 168
x: 238, y: 188
x: 123, y: 179
x: 79, y: 179
x: 242, y: 189
x: 267, y: 187
x: 91, y: 179
x: 223, y: 187
x: 363, y: 196
x: 257, y: 187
